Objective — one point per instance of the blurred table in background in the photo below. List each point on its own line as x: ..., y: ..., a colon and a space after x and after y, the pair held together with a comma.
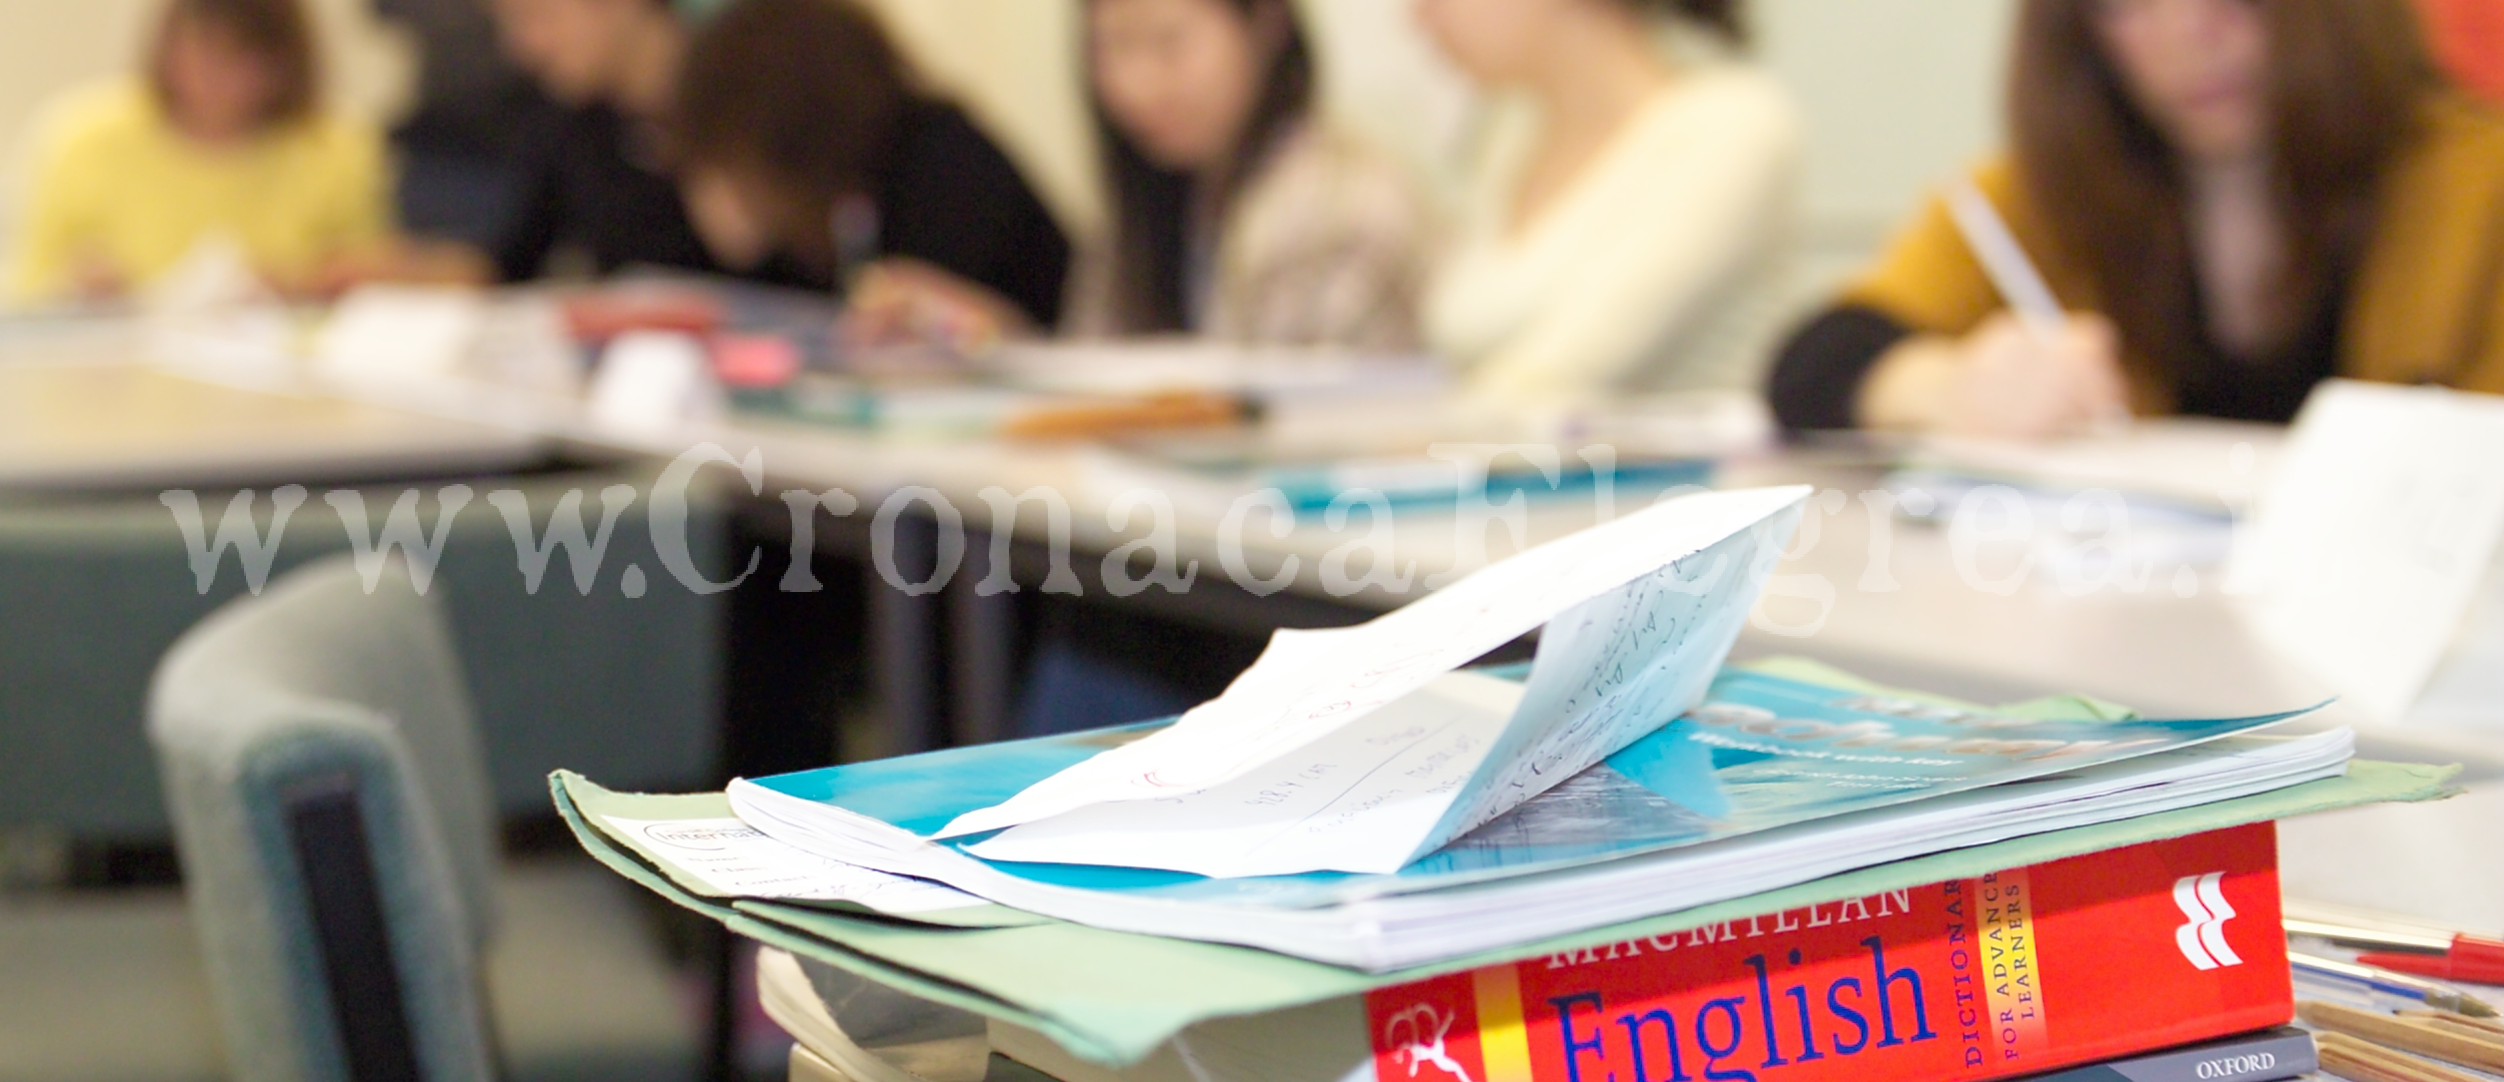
x: 1924, y: 623
x: 1878, y: 594
x: 97, y: 577
x: 129, y: 426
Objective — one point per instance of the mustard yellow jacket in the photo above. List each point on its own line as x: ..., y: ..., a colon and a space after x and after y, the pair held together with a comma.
x: 2426, y: 305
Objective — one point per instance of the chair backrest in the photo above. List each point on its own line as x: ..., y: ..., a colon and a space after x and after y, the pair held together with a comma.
x: 330, y: 801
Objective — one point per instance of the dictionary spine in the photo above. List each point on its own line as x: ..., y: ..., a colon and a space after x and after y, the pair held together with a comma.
x: 2269, y: 1055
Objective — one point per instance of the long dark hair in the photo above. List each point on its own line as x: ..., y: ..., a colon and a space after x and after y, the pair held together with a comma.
x: 2347, y: 80
x: 806, y: 94
x: 1151, y: 204
x: 1723, y: 17
x: 275, y: 30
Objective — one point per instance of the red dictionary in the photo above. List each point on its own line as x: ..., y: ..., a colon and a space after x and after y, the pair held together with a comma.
x: 2020, y: 971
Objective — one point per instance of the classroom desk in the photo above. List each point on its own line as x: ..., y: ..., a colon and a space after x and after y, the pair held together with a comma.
x: 74, y: 423
x: 2162, y: 653
x: 2165, y: 654
x: 1909, y: 617
x: 84, y: 422
x: 978, y: 667
x: 97, y: 580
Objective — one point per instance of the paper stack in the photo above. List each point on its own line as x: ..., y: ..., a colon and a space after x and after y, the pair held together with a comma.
x: 1361, y: 808
x: 1356, y: 798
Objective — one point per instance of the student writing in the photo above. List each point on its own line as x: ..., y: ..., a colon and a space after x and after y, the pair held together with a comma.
x: 593, y: 178
x: 222, y: 140
x: 2235, y: 200
x: 800, y: 135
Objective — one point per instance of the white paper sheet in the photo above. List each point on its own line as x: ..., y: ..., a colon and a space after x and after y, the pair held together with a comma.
x: 2381, y: 525
x: 1639, y: 639
x: 1395, y: 770
x: 1616, y: 667
x: 737, y: 861
x: 2191, y: 460
x: 399, y: 332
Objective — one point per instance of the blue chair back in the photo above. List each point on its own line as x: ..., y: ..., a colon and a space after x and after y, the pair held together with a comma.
x: 323, y: 768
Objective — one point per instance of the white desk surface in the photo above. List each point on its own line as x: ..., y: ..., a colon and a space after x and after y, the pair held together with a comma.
x: 75, y: 412
x: 71, y: 423
x: 2152, y: 649
x: 873, y: 468
x: 2165, y: 654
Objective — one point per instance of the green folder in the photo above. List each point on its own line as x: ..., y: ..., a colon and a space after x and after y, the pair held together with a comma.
x: 1113, y: 997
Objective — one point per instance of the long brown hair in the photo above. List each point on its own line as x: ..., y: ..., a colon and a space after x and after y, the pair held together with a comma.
x: 2347, y: 78
x: 1724, y: 17
x: 275, y: 30
x: 1151, y: 203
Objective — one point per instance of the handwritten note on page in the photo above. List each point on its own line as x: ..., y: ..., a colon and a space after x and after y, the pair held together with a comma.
x: 738, y: 861
x: 1641, y: 612
x: 1394, y: 771
x: 1616, y: 667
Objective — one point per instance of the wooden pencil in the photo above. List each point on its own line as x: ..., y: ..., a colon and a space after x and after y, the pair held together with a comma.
x: 2359, y: 1060
x: 2461, y: 1026
x: 2406, y: 1034
x: 2493, y: 1027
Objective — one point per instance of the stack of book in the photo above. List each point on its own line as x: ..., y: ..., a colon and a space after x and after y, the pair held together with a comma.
x: 1625, y: 860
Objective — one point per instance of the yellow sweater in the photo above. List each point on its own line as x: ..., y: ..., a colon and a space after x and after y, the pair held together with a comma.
x: 2426, y: 305
x: 116, y: 189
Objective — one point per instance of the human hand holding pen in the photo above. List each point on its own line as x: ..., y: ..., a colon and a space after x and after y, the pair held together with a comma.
x: 907, y: 302
x: 2009, y: 378
x: 2036, y: 372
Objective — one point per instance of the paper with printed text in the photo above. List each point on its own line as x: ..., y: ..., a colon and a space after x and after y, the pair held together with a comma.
x: 1360, y: 749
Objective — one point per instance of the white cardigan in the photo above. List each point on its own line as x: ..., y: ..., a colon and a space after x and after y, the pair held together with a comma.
x: 1662, y: 267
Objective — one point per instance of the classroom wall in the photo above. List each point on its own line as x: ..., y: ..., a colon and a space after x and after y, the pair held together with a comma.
x: 1897, y: 93
x: 51, y: 44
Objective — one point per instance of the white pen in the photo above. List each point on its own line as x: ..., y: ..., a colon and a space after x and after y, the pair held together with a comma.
x: 2431, y: 993
x: 2003, y: 259
x: 2012, y: 274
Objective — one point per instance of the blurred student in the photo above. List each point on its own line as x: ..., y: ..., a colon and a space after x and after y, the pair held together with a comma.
x: 592, y: 176
x: 472, y: 104
x: 800, y: 136
x: 1628, y: 229
x: 1237, y: 214
x: 221, y: 140
x: 2235, y: 200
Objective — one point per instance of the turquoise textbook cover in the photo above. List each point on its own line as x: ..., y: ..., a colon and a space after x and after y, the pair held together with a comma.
x: 1761, y: 753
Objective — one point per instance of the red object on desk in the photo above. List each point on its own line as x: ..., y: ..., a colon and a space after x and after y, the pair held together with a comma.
x: 597, y: 317
x: 2471, y: 959
x: 755, y: 360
